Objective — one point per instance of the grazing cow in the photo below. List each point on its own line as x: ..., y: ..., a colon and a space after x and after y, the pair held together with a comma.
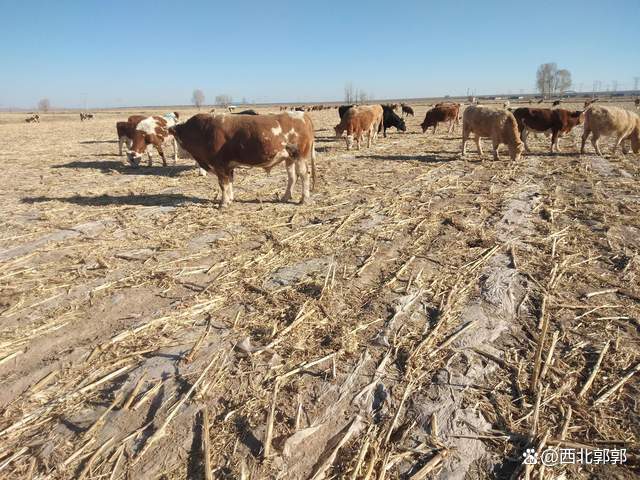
x: 406, y: 110
x: 221, y: 143
x: 231, y: 108
x: 498, y: 124
x: 637, y: 103
x: 556, y: 103
x: 391, y: 119
x: 152, y: 131
x: 360, y: 120
x: 558, y: 120
x: 126, y: 131
x: 33, y: 119
x: 611, y: 122
x: 441, y: 112
x: 246, y: 112
x: 85, y: 116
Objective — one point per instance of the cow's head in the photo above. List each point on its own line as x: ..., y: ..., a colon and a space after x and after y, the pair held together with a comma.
x: 516, y: 151
x: 339, y: 129
x: 138, y: 147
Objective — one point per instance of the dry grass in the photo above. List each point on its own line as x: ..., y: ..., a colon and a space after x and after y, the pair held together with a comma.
x: 319, y: 341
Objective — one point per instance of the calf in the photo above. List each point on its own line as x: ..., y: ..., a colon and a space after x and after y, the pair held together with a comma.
x: 611, y: 122
x: 406, y: 110
x: 498, y: 124
x: 391, y: 119
x: 220, y: 144
x: 558, y: 120
x: 126, y: 130
x: 442, y: 112
x: 360, y: 120
x: 152, y: 131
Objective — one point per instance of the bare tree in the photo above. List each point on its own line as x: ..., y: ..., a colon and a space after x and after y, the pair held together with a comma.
x: 44, y: 105
x: 224, y: 100
x: 550, y: 80
x: 636, y: 82
x: 362, y: 96
x: 198, y: 98
x: 349, y: 96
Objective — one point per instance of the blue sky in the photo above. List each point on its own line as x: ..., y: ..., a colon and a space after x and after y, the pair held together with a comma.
x: 127, y: 53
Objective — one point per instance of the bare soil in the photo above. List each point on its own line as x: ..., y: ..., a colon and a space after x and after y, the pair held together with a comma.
x: 426, y: 316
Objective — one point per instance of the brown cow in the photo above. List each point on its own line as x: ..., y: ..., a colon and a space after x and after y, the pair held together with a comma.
x: 441, y: 112
x: 152, y: 131
x: 357, y: 121
x: 33, y: 119
x: 637, y: 103
x: 498, y: 124
x: 614, y: 122
x: 559, y: 121
x: 406, y: 110
x: 223, y: 142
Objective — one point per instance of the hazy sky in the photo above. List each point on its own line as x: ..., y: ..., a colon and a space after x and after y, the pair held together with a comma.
x: 126, y: 53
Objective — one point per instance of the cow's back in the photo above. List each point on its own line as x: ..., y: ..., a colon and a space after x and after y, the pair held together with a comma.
x: 610, y: 120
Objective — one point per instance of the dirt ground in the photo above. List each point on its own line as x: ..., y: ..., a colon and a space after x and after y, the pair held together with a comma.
x: 426, y: 316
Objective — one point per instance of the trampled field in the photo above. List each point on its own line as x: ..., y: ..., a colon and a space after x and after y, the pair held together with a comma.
x: 393, y: 328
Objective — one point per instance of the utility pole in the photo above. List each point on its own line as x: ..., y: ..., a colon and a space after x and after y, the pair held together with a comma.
x: 636, y: 82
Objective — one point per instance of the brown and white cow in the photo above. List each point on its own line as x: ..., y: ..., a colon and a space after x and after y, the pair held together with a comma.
x: 611, y: 122
x: 358, y: 121
x: 33, y: 119
x: 442, y: 112
x: 153, y: 131
x: 86, y: 116
x: 126, y: 131
x: 498, y: 124
x: 559, y: 121
x: 222, y: 143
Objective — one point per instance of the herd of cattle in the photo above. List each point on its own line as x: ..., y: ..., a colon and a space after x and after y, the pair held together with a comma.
x: 219, y: 143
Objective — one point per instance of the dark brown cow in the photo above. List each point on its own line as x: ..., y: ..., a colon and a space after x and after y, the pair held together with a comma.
x: 33, y: 119
x: 637, y: 102
x: 222, y: 143
x: 558, y: 120
x: 85, y: 116
x: 442, y: 112
x: 406, y: 110
x: 152, y: 131
x: 556, y: 103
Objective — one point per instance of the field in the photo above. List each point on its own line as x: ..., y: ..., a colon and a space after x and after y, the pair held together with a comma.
x: 426, y: 316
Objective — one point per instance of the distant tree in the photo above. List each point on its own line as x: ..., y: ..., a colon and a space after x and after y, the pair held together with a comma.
x: 550, y: 80
x: 244, y: 100
x: 224, y: 100
x: 44, y: 105
x: 198, y: 98
x: 349, y: 96
x: 362, y: 96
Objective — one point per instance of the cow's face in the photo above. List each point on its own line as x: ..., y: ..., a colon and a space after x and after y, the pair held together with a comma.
x: 400, y: 125
x: 138, y: 147
x: 515, y: 152
x: 339, y: 130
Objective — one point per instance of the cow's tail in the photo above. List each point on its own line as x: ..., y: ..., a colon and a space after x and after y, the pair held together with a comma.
x: 313, y: 166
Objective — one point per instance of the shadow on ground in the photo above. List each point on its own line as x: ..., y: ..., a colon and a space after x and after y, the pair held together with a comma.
x: 171, y: 199
x: 106, y: 165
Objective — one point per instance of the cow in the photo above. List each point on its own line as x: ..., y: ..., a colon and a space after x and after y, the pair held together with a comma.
x: 246, y: 112
x: 558, y: 120
x: 360, y: 120
x: 126, y: 130
x: 556, y: 103
x: 231, y: 108
x: 33, y: 119
x: 85, y: 116
x: 220, y: 144
x: 611, y: 122
x: 590, y: 102
x: 406, y: 110
x: 637, y: 103
x: 391, y: 119
x: 152, y: 131
x: 498, y: 124
x: 442, y: 112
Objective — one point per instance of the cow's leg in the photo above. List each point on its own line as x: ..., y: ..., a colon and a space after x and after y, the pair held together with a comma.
x: 615, y: 145
x: 161, y: 153
x: 121, y: 141
x: 585, y: 135
x: 495, y: 144
x: 291, y: 179
x: 450, y: 127
x: 594, y: 141
x: 369, y: 137
x: 625, y: 147
x: 524, y: 134
x: 554, y: 140
x: 465, y: 137
x: 479, y: 145
x: 303, y: 171
x: 224, y: 180
x: 150, y: 161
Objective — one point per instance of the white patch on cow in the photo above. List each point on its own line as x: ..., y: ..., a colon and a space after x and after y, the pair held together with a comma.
x: 276, y: 131
x: 148, y: 125
x: 296, y: 114
x: 291, y: 135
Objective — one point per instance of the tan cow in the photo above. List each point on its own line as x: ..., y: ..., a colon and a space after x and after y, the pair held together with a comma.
x: 611, y: 122
x: 222, y: 143
x: 357, y: 121
x: 497, y: 124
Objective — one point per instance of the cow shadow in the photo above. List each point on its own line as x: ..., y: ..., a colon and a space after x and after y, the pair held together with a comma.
x: 407, y: 158
x: 106, y: 165
x: 153, y: 200
x: 93, y: 142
